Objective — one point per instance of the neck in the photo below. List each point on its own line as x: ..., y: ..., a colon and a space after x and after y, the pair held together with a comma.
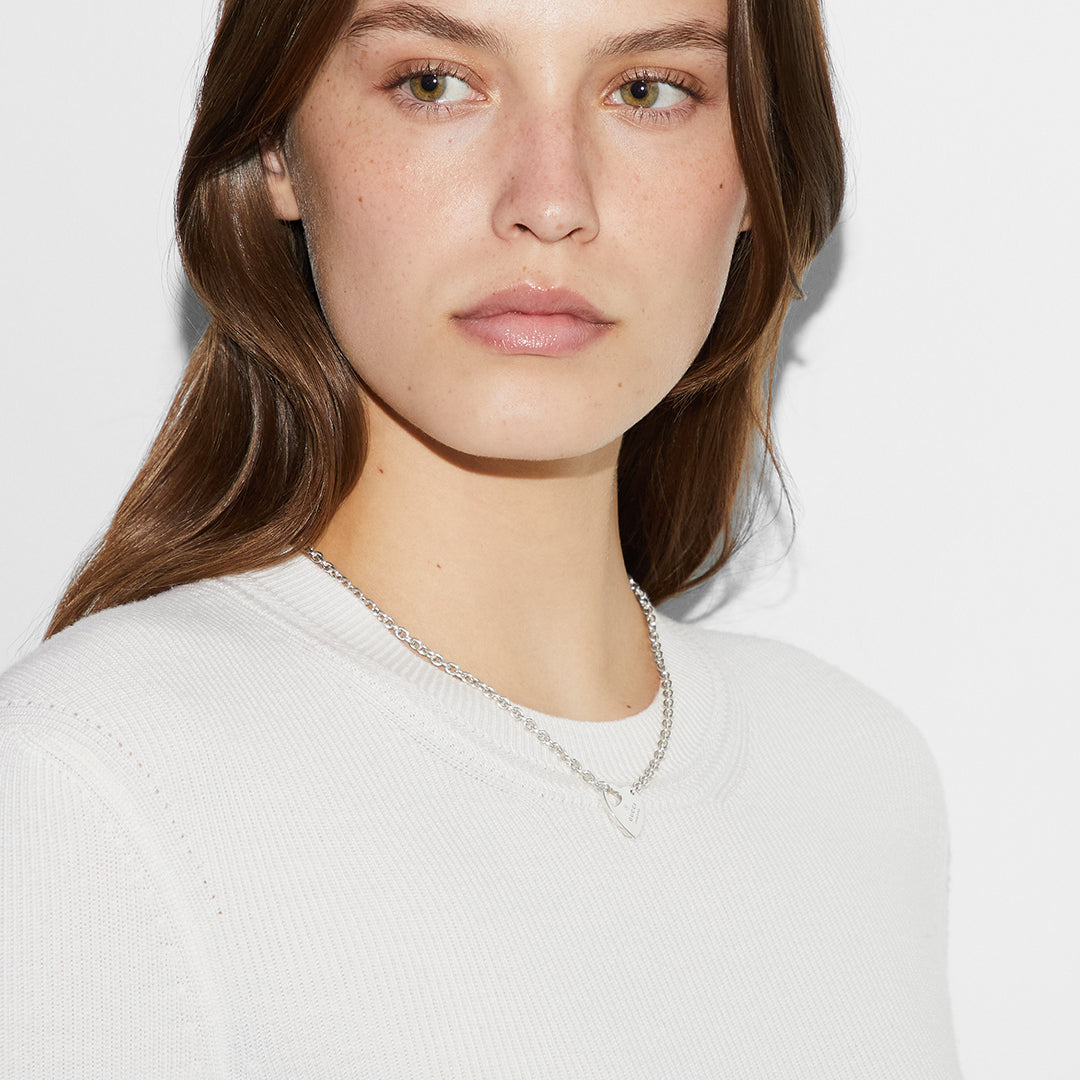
x: 512, y: 570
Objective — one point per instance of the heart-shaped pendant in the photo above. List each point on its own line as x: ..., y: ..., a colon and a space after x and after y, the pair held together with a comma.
x: 625, y: 808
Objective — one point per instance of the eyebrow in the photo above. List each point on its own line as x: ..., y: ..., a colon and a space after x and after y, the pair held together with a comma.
x: 695, y: 34
x: 419, y: 18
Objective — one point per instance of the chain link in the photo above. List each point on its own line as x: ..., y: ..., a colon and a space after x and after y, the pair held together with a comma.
x: 530, y: 725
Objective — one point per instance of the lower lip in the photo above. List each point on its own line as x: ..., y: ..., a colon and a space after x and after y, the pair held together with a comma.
x: 515, y: 333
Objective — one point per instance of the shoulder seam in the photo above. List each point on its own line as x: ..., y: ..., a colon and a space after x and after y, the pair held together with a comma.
x: 201, y: 992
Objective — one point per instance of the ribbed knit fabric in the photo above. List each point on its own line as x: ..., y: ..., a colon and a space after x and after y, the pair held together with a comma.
x: 246, y: 833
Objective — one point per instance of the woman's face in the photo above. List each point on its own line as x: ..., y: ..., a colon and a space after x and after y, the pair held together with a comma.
x: 520, y: 216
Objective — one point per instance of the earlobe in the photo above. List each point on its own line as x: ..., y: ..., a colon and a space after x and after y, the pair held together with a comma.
x: 278, y: 182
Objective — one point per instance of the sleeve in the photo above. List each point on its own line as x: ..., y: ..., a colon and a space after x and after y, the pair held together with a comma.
x: 92, y: 978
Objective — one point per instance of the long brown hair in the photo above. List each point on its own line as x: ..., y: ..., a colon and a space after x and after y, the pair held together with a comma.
x: 265, y: 436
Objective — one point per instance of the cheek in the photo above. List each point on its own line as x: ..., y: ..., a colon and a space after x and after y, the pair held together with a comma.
x: 692, y: 224
x: 713, y: 203
x: 360, y: 248
x: 380, y: 225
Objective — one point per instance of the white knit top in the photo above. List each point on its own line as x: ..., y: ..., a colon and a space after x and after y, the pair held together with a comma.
x: 247, y: 833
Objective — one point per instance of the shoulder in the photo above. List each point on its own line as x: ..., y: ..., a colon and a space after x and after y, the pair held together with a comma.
x: 161, y: 673
x: 782, y: 677
x: 811, y: 722
x: 135, y: 644
x: 83, y: 735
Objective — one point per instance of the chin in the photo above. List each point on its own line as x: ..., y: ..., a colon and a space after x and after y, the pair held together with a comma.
x: 523, y: 448
x: 516, y: 428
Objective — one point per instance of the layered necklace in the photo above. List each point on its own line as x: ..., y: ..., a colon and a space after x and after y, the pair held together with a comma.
x: 624, y: 804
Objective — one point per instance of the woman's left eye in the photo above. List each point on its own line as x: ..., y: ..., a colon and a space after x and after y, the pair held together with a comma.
x: 434, y: 88
x: 650, y: 94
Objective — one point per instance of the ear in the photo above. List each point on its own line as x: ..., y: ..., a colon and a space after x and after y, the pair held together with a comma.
x: 278, y: 182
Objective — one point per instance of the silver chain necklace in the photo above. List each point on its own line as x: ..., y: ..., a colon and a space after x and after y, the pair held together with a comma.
x: 622, y: 803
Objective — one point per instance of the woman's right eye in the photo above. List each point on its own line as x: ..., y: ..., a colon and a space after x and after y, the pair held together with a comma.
x: 437, y: 88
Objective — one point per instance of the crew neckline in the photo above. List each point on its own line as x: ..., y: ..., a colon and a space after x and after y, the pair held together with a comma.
x: 706, y: 738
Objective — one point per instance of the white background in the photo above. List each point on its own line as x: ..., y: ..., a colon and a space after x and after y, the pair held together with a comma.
x: 925, y: 414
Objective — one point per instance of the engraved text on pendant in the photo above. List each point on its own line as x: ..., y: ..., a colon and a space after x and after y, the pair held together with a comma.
x: 626, y: 811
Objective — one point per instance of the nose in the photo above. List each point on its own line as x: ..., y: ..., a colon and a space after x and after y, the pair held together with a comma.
x: 545, y: 186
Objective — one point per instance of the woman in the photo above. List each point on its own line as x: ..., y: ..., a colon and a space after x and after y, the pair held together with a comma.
x: 495, y: 296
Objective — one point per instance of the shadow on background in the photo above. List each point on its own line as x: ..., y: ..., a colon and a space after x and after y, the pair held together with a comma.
x: 818, y: 282
x: 772, y: 526
x: 191, y: 317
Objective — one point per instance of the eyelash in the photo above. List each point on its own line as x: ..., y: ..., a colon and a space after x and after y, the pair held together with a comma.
x: 398, y: 79
x: 690, y: 87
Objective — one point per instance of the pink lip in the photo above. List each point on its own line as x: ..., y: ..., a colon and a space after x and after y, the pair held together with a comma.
x: 525, y: 319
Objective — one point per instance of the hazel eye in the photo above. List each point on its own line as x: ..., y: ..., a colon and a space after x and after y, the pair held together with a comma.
x: 432, y: 87
x: 649, y: 94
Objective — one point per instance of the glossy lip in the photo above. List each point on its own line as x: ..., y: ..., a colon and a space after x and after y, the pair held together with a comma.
x: 527, y: 319
x: 534, y: 300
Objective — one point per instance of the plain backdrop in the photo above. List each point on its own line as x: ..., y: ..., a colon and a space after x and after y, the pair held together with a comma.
x: 926, y: 411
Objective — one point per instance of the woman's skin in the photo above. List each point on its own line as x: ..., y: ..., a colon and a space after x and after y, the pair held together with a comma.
x: 447, y: 153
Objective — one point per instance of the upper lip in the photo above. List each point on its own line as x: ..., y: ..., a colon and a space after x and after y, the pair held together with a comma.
x: 534, y: 300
